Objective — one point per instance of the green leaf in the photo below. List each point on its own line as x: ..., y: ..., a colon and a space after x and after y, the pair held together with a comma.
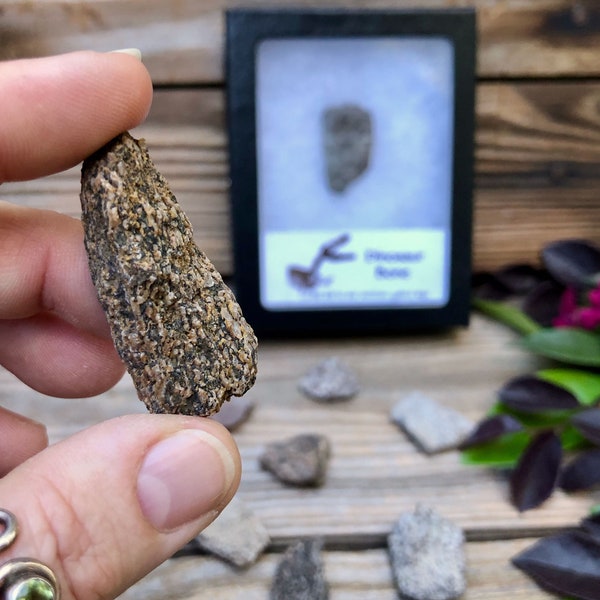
x: 574, y: 346
x: 585, y: 386
x: 502, y: 452
x: 595, y: 510
x: 508, y: 315
x: 571, y: 439
x: 548, y: 418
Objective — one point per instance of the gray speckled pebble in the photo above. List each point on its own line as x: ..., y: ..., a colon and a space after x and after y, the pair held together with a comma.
x: 300, y: 574
x: 427, y: 556
x: 236, y: 535
x: 433, y: 427
x: 329, y: 381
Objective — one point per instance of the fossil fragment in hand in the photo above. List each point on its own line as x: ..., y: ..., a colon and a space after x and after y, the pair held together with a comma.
x: 175, y: 324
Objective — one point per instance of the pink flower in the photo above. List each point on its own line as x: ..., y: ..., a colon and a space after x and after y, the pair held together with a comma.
x: 570, y: 314
x: 594, y: 297
x: 587, y: 318
x: 567, y: 306
x: 563, y: 321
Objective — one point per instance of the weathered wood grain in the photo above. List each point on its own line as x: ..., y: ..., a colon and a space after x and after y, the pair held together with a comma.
x: 362, y: 575
x: 375, y: 472
x: 182, y: 41
x: 537, y: 168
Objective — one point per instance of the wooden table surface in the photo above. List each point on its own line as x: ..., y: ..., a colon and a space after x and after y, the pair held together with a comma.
x: 375, y: 473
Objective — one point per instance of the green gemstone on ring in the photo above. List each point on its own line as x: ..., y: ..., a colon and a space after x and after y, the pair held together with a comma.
x: 34, y: 588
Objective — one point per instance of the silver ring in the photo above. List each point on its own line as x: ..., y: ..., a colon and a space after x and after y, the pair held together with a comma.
x: 23, y: 578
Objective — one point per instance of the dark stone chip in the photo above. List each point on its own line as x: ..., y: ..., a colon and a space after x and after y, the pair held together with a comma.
x: 300, y: 575
x: 300, y: 461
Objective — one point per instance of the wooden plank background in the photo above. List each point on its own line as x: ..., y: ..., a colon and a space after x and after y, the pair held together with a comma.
x: 375, y: 473
x: 183, y: 40
x: 538, y: 116
x: 351, y: 575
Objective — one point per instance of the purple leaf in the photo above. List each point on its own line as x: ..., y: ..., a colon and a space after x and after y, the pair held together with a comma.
x: 486, y: 286
x: 542, y: 303
x: 535, y: 475
x: 571, y: 262
x: 582, y: 473
x: 591, y: 526
x: 519, y: 278
x: 588, y: 423
x: 490, y: 429
x: 529, y: 394
x: 564, y: 564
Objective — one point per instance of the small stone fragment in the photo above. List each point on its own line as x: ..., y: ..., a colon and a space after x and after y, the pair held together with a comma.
x: 329, y: 381
x: 301, y: 460
x: 300, y: 575
x: 234, y: 414
x: 175, y: 324
x: 427, y: 556
x: 236, y: 535
x: 434, y: 428
x: 347, y: 143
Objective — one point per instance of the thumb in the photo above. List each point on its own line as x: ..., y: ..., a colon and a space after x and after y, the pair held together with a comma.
x: 109, y: 504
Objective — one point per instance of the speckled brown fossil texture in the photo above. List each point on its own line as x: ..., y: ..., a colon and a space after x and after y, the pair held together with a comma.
x: 175, y: 324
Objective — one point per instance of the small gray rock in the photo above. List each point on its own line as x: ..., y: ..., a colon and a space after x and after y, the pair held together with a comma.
x: 301, y: 460
x: 329, y: 381
x: 427, y: 556
x: 433, y: 427
x: 347, y: 141
x: 300, y: 575
x: 236, y: 535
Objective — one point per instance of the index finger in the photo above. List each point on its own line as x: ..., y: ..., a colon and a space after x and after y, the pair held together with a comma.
x: 58, y: 110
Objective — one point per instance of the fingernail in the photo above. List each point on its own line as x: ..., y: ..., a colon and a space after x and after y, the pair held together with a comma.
x: 135, y: 52
x: 183, y: 478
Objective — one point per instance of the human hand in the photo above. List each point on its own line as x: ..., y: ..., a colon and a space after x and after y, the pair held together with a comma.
x: 107, y: 505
